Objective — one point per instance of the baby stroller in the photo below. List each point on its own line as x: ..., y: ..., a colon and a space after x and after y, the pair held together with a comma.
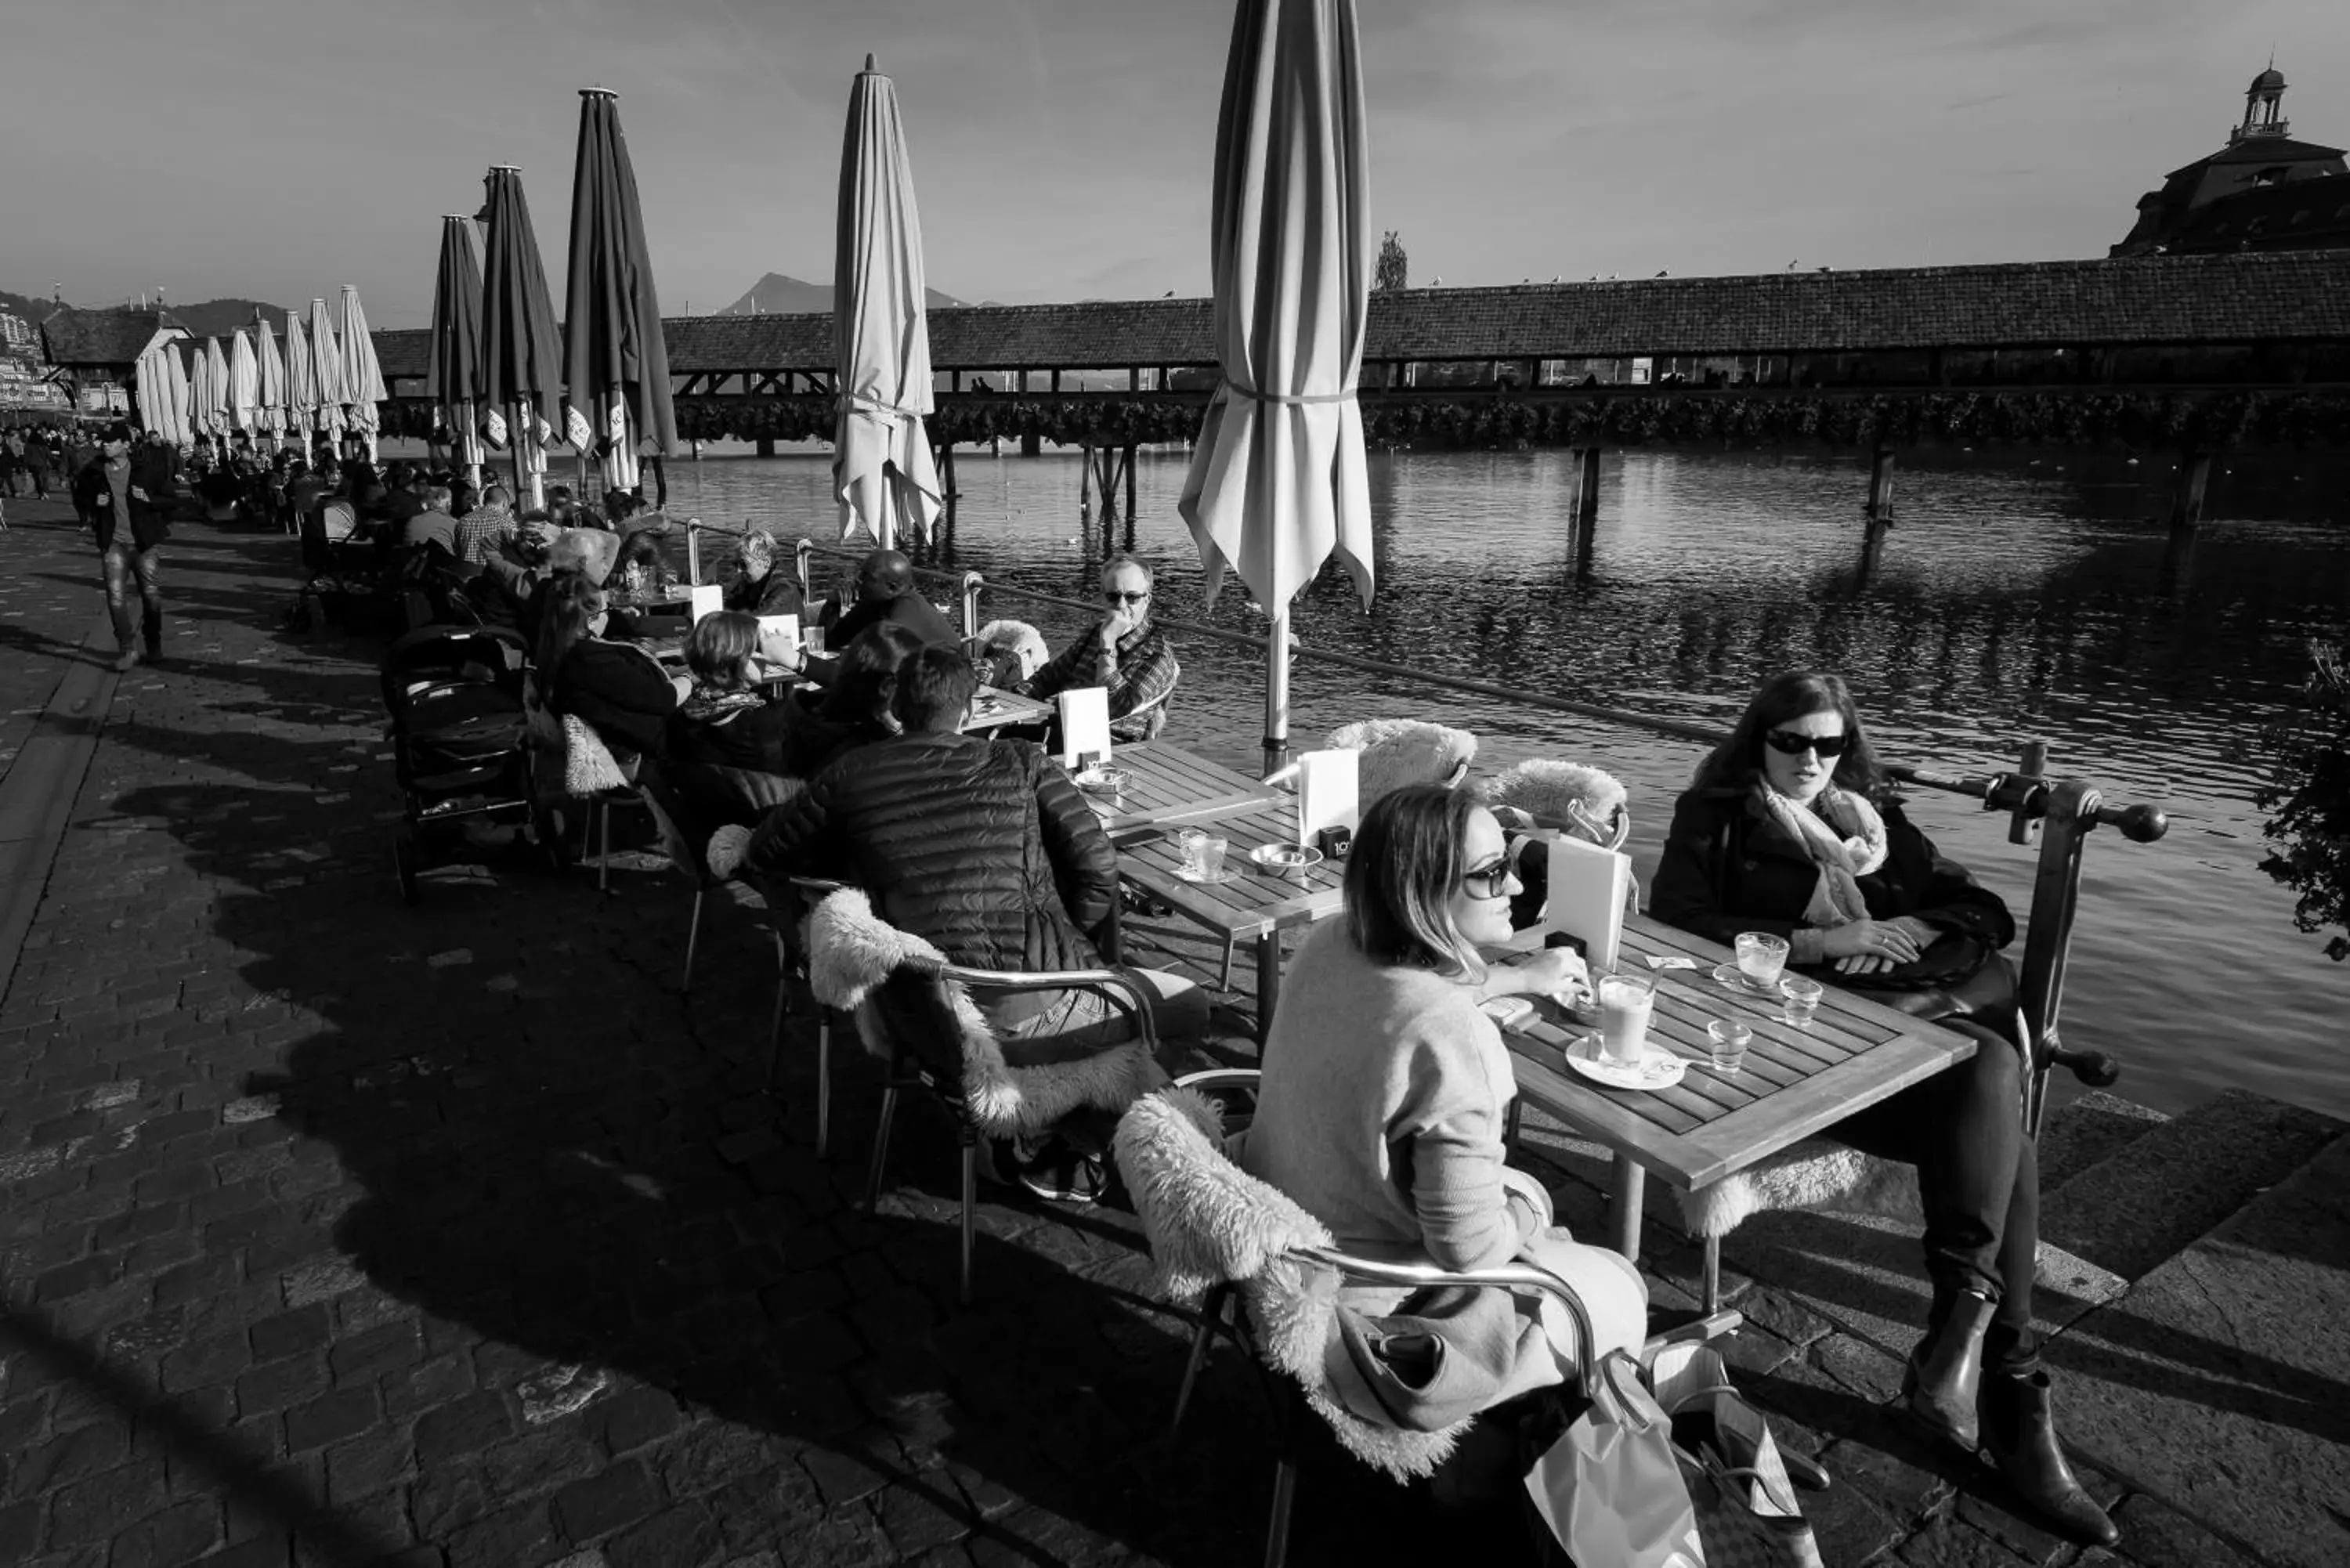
x: 455, y: 697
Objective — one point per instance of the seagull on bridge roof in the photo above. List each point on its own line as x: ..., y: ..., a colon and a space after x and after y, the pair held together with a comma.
x: 1436, y: 282
x: 1168, y: 294
x: 1661, y: 272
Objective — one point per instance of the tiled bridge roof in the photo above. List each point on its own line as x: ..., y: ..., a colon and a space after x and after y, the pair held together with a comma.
x: 2275, y: 296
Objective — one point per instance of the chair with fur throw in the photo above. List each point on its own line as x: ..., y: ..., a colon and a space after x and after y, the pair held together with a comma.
x: 914, y: 1010
x: 1399, y: 751
x: 1217, y: 1232
x: 1567, y: 797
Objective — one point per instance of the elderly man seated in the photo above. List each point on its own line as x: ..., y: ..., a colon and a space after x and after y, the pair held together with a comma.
x: 1124, y: 652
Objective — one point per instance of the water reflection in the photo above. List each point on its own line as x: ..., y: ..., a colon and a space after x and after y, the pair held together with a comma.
x: 2020, y: 594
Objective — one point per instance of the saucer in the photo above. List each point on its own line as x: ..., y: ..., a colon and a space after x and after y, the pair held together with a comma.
x: 1202, y: 878
x: 1278, y: 856
x: 1659, y: 1069
x: 1731, y: 975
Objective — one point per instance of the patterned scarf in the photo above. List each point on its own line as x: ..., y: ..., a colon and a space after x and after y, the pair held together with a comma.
x: 1844, y: 837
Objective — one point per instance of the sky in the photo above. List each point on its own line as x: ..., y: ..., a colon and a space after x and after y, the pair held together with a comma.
x: 277, y: 149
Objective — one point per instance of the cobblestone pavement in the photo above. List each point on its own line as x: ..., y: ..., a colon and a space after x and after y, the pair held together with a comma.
x: 335, y: 1231
x: 339, y: 1232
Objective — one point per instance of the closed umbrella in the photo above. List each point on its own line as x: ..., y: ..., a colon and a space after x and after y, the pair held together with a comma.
x: 1278, y: 480
x: 301, y: 382
x: 882, y: 472
x: 191, y: 397
x: 326, y: 372
x: 362, y: 378
x: 615, y: 362
x: 145, y: 373
x: 213, y: 400
x: 244, y: 383
x: 178, y: 399
x: 452, y: 367
x: 522, y: 353
x: 269, y: 407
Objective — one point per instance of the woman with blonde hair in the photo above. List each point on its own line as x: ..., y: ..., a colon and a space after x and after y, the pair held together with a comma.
x: 1382, y: 1109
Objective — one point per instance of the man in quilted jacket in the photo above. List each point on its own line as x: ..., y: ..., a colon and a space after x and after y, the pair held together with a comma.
x: 983, y: 847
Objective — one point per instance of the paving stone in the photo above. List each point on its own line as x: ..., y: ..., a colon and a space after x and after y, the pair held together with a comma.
x: 337, y: 1415
x: 175, y: 1536
x: 2158, y: 1537
x: 99, y: 1507
x: 2216, y: 1384
x: 633, y: 1418
x: 461, y: 1429
x: 618, y: 1497
x: 517, y: 1537
x: 85, y: 1452
x: 681, y: 1535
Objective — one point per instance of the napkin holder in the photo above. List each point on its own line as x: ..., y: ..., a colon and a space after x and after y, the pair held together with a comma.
x: 1588, y: 890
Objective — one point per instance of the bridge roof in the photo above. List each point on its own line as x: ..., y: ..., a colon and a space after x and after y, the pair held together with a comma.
x: 2170, y: 299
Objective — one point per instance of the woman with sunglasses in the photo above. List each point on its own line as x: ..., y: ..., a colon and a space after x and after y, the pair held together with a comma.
x: 1790, y: 828
x: 1382, y: 1109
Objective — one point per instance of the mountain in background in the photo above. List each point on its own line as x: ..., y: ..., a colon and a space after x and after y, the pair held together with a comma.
x: 777, y: 295
x: 207, y: 318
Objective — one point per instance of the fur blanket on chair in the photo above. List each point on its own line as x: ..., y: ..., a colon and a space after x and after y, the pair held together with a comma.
x: 851, y: 950
x: 1399, y: 751
x: 1208, y: 1222
x: 1555, y: 792
x: 1016, y: 637
x: 1816, y: 1173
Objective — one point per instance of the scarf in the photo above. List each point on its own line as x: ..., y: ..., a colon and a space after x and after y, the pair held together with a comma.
x: 716, y: 704
x: 1844, y: 837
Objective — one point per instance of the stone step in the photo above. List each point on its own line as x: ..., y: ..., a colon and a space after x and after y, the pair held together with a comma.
x: 2216, y: 1384
x: 2082, y: 1131
x: 2160, y: 1190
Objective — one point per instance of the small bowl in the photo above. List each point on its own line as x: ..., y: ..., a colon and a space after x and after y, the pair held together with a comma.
x: 1286, y: 858
x: 1104, y: 780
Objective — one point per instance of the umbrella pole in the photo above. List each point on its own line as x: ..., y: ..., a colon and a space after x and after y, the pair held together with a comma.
x: 522, y: 492
x: 1277, y: 691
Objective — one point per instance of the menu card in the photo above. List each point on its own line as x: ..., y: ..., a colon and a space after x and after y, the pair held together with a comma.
x: 1084, y: 725
x: 1588, y: 888
x: 1329, y: 790
x: 708, y: 598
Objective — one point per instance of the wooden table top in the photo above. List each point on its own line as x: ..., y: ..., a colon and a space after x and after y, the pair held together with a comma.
x: 991, y: 709
x: 1255, y: 900
x: 1166, y: 784
x: 1794, y: 1081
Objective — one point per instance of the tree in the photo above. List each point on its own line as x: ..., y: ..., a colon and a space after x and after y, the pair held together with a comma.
x: 2311, y: 795
x: 1395, y: 267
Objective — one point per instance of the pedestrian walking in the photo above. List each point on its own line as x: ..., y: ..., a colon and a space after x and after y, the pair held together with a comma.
x: 132, y: 497
x: 37, y: 458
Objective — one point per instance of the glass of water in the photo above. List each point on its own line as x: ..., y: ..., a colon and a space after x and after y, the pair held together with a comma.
x: 1799, y: 1000
x: 1726, y: 1042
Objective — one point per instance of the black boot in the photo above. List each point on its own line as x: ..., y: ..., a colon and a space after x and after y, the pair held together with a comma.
x: 1939, y: 1387
x: 2019, y: 1430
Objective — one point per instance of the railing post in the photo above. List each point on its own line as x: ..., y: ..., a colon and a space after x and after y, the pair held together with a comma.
x: 2022, y: 826
x: 2055, y: 898
x: 972, y: 585
x: 800, y: 554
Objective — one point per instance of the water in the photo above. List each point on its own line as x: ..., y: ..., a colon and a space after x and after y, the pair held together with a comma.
x: 2019, y: 596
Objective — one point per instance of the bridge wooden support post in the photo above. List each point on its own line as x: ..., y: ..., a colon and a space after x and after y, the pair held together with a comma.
x: 1880, y: 487
x: 766, y: 446
x: 1032, y: 445
x: 1586, y: 521
x: 1129, y: 494
x: 2187, y: 500
x: 1086, y: 482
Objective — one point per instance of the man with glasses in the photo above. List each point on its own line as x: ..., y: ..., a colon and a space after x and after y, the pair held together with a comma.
x: 1124, y: 652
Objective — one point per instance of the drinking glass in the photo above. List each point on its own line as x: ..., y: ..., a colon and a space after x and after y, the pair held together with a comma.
x: 1193, y: 845
x: 1761, y: 957
x: 1625, y: 1002
x: 1726, y: 1043
x: 1800, y: 999
x: 811, y: 639
x: 1212, y: 856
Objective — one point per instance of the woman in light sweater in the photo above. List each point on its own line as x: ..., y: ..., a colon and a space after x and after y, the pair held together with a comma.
x: 1382, y: 1111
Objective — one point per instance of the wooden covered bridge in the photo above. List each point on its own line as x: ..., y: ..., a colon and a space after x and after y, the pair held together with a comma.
x: 2190, y: 354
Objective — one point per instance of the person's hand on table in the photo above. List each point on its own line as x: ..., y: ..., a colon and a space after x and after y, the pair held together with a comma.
x: 1544, y: 972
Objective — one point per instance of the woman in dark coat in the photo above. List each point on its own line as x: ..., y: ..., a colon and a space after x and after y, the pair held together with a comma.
x: 618, y: 688
x: 1790, y: 828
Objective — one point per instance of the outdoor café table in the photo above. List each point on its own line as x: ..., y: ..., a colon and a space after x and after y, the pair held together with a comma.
x: 1794, y: 1081
x: 1255, y: 903
x: 1166, y: 784
x: 992, y: 709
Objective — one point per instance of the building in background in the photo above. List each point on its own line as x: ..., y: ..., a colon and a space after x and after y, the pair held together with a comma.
x: 93, y: 354
x: 2262, y: 191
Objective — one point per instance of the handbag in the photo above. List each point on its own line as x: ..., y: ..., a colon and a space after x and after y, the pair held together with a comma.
x: 1747, y: 1516
x: 1611, y: 1488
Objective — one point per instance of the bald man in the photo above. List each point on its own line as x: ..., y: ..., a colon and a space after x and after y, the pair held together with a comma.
x: 885, y: 591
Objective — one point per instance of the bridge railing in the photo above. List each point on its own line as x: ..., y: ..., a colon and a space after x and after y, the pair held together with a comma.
x: 2059, y: 813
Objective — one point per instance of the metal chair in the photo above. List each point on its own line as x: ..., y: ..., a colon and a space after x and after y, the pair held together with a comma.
x: 1269, y: 1255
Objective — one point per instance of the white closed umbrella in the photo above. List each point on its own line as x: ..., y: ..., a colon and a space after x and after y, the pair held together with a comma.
x: 326, y: 372
x: 244, y: 383
x: 362, y: 378
x: 1278, y: 481
x: 301, y: 381
x: 882, y: 472
x: 269, y: 397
